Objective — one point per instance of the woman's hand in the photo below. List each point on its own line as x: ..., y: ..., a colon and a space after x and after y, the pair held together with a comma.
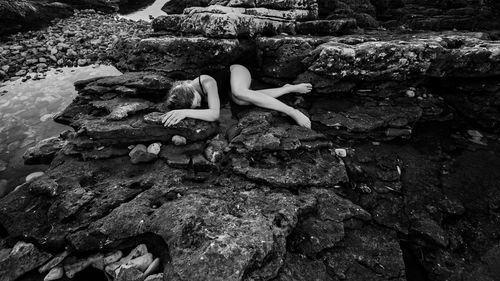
x: 173, y: 117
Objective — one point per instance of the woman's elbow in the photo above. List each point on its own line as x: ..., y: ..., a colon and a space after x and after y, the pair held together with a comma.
x: 215, y: 117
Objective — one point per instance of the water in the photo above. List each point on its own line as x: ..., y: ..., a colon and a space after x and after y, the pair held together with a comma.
x: 26, y: 111
x: 144, y: 13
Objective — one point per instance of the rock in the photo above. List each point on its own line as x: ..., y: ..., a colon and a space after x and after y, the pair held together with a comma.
x: 341, y: 152
x: 125, y: 262
x: 53, y: 263
x: 54, y: 274
x: 178, y: 140
x: 82, y: 62
x: 142, y: 262
x: 33, y: 176
x: 152, y: 268
x: 44, y: 151
x: 72, y: 267
x: 113, y: 257
x: 154, y: 148
x: 22, y: 258
x: 369, y: 121
x: 323, y: 171
x: 140, y: 154
x: 130, y: 54
x: 155, y: 277
x: 215, y: 149
x: 129, y: 273
x: 121, y: 108
x: 21, y: 72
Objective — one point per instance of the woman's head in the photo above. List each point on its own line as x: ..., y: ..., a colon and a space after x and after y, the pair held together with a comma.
x: 183, y: 95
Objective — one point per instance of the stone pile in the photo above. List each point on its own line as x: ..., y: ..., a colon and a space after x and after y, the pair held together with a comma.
x: 80, y: 40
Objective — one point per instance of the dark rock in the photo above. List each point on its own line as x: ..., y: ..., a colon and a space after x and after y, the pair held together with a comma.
x: 140, y: 154
x: 323, y: 171
x: 135, y: 54
x: 23, y: 257
x: 378, y: 122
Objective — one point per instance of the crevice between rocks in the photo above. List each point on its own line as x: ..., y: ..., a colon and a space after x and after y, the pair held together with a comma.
x: 413, y: 268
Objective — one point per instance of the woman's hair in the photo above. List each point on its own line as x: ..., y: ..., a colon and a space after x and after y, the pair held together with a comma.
x: 181, y: 95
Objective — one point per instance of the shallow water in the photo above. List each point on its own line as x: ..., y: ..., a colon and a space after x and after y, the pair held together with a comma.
x: 144, y: 13
x: 26, y: 111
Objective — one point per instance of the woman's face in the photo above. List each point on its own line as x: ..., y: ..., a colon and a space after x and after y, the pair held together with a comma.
x: 196, y: 100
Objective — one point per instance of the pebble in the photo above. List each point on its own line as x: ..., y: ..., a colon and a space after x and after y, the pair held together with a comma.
x: 21, y: 72
x: 154, y: 148
x: 410, y: 93
x: 34, y: 175
x: 341, y: 152
x: 179, y: 140
x: 82, y: 62
x: 6, y: 68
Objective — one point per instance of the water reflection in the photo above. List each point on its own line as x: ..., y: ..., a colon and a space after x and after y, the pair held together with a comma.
x: 143, y: 14
x: 26, y: 110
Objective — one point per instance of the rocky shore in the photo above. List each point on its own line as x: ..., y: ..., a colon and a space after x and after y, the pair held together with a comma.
x: 397, y: 180
x: 82, y: 39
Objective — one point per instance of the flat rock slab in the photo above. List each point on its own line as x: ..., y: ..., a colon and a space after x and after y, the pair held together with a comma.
x: 224, y: 22
x: 378, y: 122
x: 303, y: 171
x: 182, y: 57
x: 261, y: 130
x: 126, y: 109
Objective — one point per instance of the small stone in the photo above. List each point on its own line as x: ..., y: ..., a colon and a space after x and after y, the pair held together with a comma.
x: 31, y: 61
x: 54, y: 274
x: 341, y: 152
x: 6, y: 68
x: 53, y: 58
x: 179, y: 140
x: 155, y: 277
x: 154, y: 148
x: 42, y: 60
x: 53, y: 51
x: 153, y: 268
x: 34, y: 175
x: 140, y: 154
x: 82, y: 62
x: 410, y: 93
x: 71, y: 52
x: 21, y: 72
x: 474, y: 133
x: 41, y: 65
x: 113, y: 257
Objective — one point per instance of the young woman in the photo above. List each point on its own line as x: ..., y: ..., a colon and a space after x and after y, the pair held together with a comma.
x: 201, y: 97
